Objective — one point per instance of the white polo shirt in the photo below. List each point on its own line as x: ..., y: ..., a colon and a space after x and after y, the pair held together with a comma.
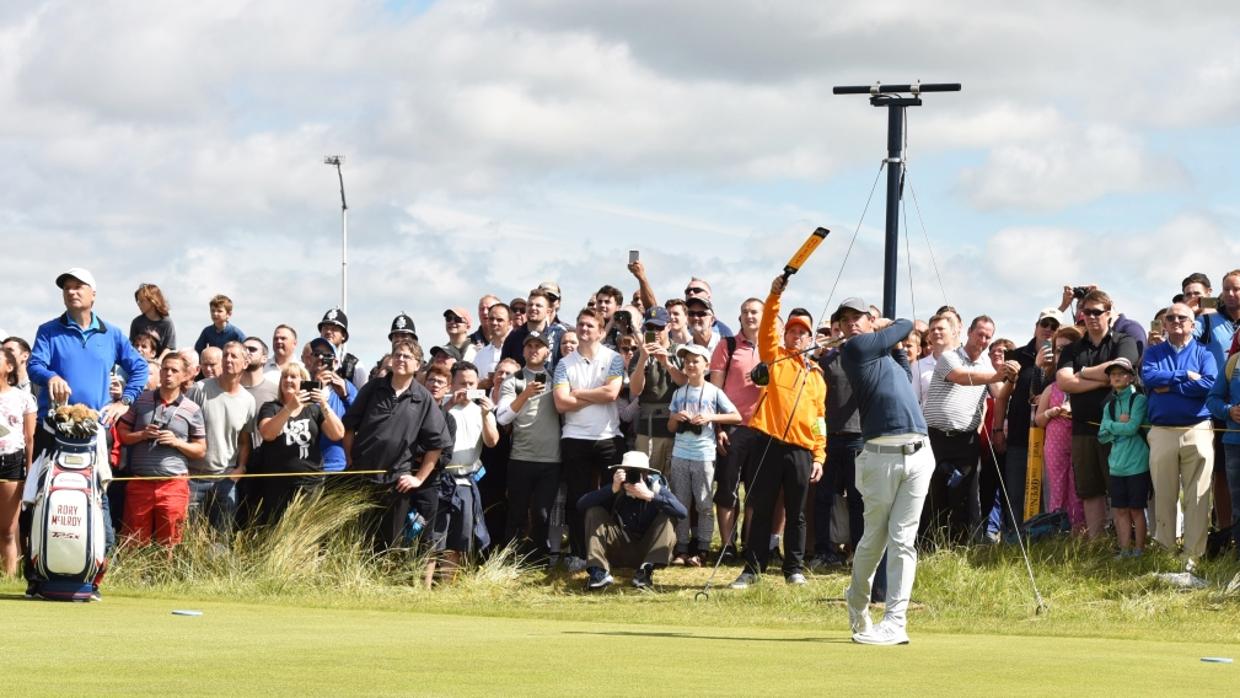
x: 592, y: 422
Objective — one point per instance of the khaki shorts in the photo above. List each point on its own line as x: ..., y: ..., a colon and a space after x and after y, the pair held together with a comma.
x: 1089, y: 466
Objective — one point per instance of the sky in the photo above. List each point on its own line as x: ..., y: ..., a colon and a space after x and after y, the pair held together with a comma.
x: 491, y: 145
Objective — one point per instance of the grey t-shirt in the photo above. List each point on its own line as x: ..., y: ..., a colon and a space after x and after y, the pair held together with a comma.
x: 536, y: 429
x: 227, y: 416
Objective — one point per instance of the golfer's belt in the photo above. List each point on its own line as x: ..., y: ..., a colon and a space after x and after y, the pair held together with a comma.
x: 906, y: 449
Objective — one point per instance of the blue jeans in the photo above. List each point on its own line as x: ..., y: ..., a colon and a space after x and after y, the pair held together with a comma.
x: 216, y: 499
x: 1231, y: 456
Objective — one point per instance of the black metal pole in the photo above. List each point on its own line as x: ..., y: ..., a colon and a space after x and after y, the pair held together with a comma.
x: 895, y: 178
x: 891, y: 97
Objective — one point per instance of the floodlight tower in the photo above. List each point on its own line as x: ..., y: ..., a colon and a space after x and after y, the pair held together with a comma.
x: 336, y: 161
x: 892, y: 97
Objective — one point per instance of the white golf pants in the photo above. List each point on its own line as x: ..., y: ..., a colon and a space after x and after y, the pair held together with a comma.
x: 893, y: 488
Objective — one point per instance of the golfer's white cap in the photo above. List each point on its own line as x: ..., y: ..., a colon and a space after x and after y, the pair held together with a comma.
x: 78, y: 273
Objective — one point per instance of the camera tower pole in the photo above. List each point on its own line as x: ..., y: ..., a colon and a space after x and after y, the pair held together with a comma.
x: 336, y: 161
x: 892, y: 97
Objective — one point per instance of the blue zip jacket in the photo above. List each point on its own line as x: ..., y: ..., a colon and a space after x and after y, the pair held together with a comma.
x: 1183, y: 402
x: 1222, y: 397
x: 84, y: 358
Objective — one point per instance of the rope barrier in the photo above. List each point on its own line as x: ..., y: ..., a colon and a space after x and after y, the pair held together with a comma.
x: 220, y: 476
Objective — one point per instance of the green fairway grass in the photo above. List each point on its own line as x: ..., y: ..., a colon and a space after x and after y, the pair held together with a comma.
x: 134, y: 646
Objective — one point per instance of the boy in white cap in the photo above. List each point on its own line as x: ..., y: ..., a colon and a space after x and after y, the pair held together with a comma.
x: 695, y: 408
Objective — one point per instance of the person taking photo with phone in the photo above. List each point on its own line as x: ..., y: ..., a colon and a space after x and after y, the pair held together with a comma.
x: 291, y: 427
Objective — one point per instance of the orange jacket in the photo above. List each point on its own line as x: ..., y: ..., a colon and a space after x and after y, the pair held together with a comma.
x: 786, y: 410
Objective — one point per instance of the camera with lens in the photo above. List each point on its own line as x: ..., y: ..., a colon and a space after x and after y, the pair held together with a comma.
x: 1078, y: 292
x: 623, y: 320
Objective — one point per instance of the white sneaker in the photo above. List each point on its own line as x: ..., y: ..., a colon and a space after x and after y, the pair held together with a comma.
x: 859, y: 621
x: 882, y: 634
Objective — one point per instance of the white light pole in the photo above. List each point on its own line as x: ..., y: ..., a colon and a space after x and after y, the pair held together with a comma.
x: 336, y: 161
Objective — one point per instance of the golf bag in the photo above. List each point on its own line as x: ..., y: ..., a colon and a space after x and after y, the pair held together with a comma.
x: 67, y: 546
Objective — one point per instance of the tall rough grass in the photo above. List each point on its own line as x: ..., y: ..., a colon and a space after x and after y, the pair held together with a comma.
x: 317, y: 547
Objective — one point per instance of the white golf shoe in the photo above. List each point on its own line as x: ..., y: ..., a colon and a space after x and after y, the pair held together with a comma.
x: 882, y: 634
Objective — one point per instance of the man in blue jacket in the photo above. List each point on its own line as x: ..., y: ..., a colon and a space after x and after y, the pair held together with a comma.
x: 73, y: 356
x: 1178, y: 375
x: 629, y: 521
x: 72, y: 360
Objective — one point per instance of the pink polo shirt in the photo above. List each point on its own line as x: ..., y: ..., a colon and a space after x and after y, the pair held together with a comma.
x: 739, y: 389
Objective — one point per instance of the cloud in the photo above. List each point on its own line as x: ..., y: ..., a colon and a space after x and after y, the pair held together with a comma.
x: 1075, y: 168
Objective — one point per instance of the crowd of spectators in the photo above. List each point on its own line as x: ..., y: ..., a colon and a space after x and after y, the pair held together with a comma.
x: 646, y: 431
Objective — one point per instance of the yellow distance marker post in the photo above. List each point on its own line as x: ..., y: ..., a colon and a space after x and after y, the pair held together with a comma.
x: 807, y: 249
x: 1034, y: 463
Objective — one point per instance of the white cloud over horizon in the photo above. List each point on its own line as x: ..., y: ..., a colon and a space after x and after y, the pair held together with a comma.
x: 490, y: 145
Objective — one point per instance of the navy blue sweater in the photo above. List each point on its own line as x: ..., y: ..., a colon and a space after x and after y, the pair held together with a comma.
x: 882, y: 386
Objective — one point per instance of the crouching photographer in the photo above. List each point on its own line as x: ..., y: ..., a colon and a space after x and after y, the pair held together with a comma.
x: 629, y: 523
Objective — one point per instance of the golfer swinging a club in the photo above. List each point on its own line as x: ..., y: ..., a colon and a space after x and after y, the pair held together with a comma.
x: 893, y: 468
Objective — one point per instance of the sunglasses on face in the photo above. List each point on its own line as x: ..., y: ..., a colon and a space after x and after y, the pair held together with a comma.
x: 253, y: 350
x: 698, y: 313
x: 1176, y: 318
x: 692, y: 290
x: 1048, y: 324
x: 1093, y: 312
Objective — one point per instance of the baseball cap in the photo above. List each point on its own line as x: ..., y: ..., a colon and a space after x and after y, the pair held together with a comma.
x: 1121, y: 364
x: 1052, y: 313
x: 536, y: 337
x: 79, y: 273
x: 700, y: 300
x: 318, y: 345
x: 656, y: 316
x: 852, y: 303
x: 551, y: 287
x: 459, y: 312
x: 800, y: 321
x: 696, y: 349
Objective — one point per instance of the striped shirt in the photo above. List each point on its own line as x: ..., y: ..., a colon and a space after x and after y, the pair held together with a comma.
x: 952, y: 407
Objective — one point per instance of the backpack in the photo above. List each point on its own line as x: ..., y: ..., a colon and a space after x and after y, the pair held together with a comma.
x: 1110, y: 406
x: 1044, y: 525
x: 67, y: 546
x: 727, y: 364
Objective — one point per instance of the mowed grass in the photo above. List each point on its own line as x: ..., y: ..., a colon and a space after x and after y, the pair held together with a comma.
x: 308, y: 607
x: 135, y: 646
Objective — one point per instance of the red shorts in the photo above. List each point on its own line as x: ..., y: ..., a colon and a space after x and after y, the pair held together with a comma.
x: 157, y: 507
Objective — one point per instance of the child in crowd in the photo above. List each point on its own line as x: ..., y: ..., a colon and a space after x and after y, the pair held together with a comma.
x: 1122, y: 417
x: 220, y: 331
x: 695, y: 408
